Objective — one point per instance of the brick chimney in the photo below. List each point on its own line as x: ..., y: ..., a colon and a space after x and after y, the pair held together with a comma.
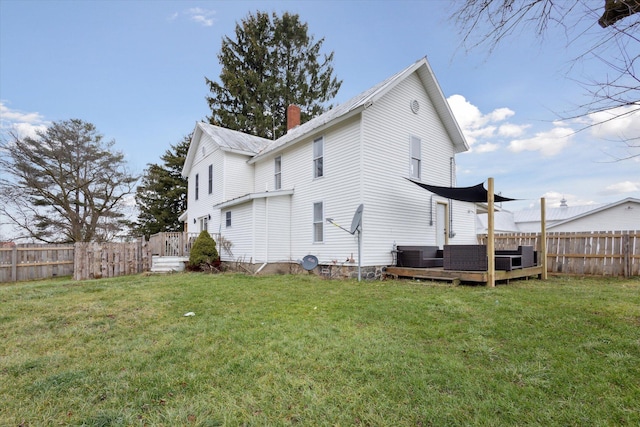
x: 293, y: 116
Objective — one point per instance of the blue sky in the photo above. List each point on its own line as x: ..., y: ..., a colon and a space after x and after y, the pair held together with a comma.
x: 136, y: 69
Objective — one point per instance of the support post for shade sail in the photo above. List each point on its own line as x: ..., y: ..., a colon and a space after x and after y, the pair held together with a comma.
x: 491, y: 252
x: 543, y: 239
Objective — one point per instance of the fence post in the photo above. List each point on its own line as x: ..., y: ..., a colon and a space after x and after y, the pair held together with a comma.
x: 14, y: 264
x: 626, y: 259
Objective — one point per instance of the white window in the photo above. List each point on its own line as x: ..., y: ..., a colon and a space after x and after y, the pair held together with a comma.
x: 204, y: 223
x: 210, y: 179
x: 318, y: 222
x: 228, y: 219
x: 416, y: 157
x: 318, y: 156
x: 197, y: 185
x: 278, y: 173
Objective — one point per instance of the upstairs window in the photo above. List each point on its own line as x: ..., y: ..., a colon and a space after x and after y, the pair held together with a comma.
x: 416, y: 158
x: 278, y: 173
x: 318, y: 156
x: 197, y: 185
x: 318, y: 222
x: 228, y: 219
x: 210, y: 179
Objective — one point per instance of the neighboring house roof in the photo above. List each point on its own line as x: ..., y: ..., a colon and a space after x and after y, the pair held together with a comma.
x: 599, y: 208
x: 502, y: 222
x: 554, y: 214
x: 367, y: 98
x: 508, y: 221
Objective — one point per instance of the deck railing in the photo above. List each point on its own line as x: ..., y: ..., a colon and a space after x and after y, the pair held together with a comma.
x: 177, y: 243
x: 172, y: 243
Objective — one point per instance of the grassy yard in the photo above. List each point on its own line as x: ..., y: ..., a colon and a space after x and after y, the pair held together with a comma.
x: 288, y: 350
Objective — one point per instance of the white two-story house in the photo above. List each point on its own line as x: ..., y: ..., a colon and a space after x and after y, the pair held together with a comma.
x: 271, y: 199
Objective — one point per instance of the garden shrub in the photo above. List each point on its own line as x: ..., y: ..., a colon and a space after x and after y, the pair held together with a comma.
x: 204, y: 253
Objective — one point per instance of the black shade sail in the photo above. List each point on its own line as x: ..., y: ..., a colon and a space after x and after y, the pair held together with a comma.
x: 476, y: 194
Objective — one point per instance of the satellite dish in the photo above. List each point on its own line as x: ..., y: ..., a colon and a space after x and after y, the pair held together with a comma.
x: 309, y: 262
x: 357, y: 219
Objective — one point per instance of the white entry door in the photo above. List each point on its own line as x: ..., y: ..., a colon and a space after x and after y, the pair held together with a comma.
x: 441, y: 224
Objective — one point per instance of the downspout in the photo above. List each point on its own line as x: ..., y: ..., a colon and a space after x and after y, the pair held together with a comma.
x: 452, y: 166
x: 431, y: 210
x: 266, y: 231
x: 260, y: 269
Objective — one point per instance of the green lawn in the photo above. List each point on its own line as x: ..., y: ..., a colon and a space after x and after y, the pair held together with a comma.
x: 288, y: 350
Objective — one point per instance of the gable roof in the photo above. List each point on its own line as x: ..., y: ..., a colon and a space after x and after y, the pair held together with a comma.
x: 599, y: 208
x: 227, y: 139
x: 367, y: 98
x: 508, y: 221
x: 257, y: 147
x: 555, y: 214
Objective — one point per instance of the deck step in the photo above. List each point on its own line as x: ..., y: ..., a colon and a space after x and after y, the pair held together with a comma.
x: 168, y: 264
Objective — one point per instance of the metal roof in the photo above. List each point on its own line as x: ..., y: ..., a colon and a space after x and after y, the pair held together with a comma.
x: 554, y: 214
x: 366, y: 98
x: 233, y: 140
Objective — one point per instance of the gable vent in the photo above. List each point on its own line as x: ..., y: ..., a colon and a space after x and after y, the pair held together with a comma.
x: 415, y: 106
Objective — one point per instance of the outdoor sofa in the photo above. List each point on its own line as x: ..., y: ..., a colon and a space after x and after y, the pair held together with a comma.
x: 419, y: 256
x: 474, y: 258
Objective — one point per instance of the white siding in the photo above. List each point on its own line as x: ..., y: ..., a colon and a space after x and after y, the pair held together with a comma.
x: 338, y: 189
x: 278, y: 224
x: 366, y: 160
x: 397, y: 210
x: 238, y: 176
x: 240, y: 234
x: 204, y: 205
x: 617, y: 218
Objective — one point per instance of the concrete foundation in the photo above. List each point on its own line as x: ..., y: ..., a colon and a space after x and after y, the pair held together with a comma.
x: 328, y: 271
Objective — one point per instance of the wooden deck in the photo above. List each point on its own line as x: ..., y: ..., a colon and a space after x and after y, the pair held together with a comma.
x: 457, y: 277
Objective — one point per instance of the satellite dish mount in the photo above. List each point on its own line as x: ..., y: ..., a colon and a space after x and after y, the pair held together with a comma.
x: 356, y: 227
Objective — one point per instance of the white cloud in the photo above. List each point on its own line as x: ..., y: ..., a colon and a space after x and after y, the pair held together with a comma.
x: 617, y: 123
x: 511, y: 131
x: 20, y: 123
x: 623, y: 187
x: 500, y: 114
x: 554, y: 198
x: 475, y: 125
x: 548, y: 143
x: 487, y: 147
x: 201, y: 16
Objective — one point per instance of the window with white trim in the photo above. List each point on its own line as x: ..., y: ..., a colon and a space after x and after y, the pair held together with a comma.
x: 318, y: 222
x: 197, y: 185
x: 204, y: 223
x: 318, y: 158
x: 210, y: 179
x: 228, y: 219
x: 278, y: 173
x: 416, y: 158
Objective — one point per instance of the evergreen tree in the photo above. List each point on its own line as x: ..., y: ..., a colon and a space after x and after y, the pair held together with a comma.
x: 272, y: 62
x: 162, y: 195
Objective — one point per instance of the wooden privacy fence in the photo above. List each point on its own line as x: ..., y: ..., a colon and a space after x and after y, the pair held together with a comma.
x: 98, y: 260
x: 599, y: 253
x: 35, y: 261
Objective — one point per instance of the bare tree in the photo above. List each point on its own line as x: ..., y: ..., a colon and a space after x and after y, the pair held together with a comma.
x: 615, y: 23
x: 65, y: 185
